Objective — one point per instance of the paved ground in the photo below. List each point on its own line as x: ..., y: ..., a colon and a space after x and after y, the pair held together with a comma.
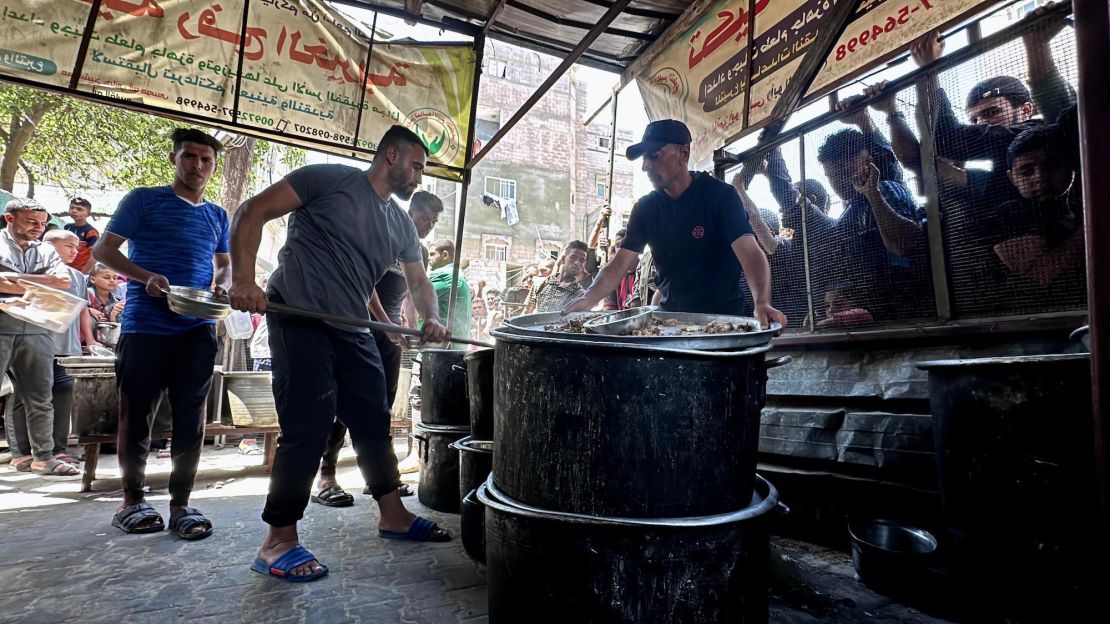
x: 64, y: 562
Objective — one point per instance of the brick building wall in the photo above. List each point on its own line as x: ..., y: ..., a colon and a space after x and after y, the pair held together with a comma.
x: 549, y: 161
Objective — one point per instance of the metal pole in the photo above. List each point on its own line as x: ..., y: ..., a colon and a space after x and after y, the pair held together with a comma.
x: 1092, y: 37
x: 612, y: 151
x: 542, y: 90
x: 365, y: 79
x: 460, y: 215
x: 938, y: 262
x: 750, y: 43
x: 805, y: 235
x: 83, y: 50
x: 242, y: 56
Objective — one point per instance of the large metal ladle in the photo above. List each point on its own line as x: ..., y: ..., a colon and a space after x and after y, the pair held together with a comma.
x: 204, y: 304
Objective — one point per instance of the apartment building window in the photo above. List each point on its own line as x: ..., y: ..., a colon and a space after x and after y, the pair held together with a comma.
x: 495, y: 248
x: 501, y: 187
x: 601, y: 185
x: 495, y: 68
x: 489, y: 122
x: 603, y: 142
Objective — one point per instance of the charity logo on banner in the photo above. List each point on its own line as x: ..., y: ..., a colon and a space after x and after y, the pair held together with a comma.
x: 703, y: 77
x: 307, y: 73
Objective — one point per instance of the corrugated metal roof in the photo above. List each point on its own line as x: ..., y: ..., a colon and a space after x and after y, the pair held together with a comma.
x: 556, y: 26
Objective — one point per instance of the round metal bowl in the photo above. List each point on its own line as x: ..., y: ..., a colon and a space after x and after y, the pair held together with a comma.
x: 888, y: 554
x: 197, y: 303
x: 620, y: 323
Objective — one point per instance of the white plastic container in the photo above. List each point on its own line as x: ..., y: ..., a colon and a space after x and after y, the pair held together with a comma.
x: 238, y: 325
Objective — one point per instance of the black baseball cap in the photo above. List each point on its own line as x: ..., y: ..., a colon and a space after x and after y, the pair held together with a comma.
x: 657, y: 134
x: 1005, y: 86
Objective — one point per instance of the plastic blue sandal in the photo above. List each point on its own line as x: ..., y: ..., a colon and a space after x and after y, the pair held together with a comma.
x: 284, y: 565
x: 422, y: 530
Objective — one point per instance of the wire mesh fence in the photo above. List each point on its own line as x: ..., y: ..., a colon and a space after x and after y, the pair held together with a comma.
x: 955, y: 197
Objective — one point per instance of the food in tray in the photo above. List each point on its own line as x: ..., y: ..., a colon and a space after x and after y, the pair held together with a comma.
x: 573, y: 326
x: 656, y: 327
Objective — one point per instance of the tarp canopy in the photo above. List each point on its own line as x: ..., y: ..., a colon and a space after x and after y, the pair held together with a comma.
x: 300, y: 72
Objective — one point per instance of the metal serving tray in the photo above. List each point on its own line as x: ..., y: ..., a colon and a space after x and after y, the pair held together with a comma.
x: 535, y: 325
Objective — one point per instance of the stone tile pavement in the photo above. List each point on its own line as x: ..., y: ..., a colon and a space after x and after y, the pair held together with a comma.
x: 64, y: 562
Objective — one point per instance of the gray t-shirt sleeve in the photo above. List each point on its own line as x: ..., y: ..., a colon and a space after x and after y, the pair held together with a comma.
x: 313, y: 181
x: 410, y: 252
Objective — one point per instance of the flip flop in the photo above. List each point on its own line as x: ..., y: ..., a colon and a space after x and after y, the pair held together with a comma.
x: 128, y: 519
x: 404, y: 489
x: 56, y: 468
x: 334, y: 496
x: 69, y: 459
x: 284, y: 564
x: 22, y: 465
x: 185, y: 519
x: 422, y: 530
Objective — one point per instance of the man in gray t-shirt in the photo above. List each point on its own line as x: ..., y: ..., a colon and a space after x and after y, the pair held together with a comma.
x: 344, y: 233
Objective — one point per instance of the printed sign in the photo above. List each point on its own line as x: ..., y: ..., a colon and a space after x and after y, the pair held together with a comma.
x: 701, y: 78
x: 301, y: 70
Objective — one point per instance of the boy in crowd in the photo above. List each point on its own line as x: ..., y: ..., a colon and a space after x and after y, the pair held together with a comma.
x: 1041, y: 234
x: 87, y: 235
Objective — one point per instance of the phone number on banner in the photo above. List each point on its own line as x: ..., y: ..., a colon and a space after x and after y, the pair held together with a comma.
x: 877, y: 31
x: 337, y: 137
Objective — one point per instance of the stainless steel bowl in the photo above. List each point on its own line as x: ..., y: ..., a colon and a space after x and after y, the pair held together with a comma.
x: 107, y: 333
x: 197, y: 303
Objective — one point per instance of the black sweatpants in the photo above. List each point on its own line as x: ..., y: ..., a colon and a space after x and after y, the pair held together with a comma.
x: 145, y: 365
x: 391, y: 362
x: 321, y: 373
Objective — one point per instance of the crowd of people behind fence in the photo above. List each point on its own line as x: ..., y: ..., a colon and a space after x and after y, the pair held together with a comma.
x: 1012, y: 234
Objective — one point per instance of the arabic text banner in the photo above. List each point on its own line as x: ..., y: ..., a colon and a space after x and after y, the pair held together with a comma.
x: 308, y: 74
x: 701, y: 78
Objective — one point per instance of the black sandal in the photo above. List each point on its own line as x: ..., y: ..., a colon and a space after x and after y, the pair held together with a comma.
x: 404, y: 490
x: 183, y: 520
x: 138, y: 518
x: 334, y: 496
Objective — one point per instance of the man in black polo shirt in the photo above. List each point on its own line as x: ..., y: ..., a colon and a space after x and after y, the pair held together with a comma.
x: 702, y: 243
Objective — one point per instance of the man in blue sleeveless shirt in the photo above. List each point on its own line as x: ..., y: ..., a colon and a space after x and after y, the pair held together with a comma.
x: 174, y: 237
x: 345, y: 232
x: 700, y: 237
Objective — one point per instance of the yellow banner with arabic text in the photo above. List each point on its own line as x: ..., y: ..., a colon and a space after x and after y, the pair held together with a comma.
x: 297, y: 69
x: 703, y: 77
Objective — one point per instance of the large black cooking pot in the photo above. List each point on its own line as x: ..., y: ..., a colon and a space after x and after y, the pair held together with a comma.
x: 475, y: 463
x: 554, y: 567
x: 632, y: 431
x: 1014, y: 441
x: 443, y: 398
x: 479, y: 384
x: 439, y: 466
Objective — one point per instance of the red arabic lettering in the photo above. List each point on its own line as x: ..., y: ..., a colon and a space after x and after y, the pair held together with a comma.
x: 206, y: 26
x: 136, y: 9
x: 729, y: 25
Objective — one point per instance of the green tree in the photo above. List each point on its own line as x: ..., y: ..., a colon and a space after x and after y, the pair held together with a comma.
x: 79, y: 145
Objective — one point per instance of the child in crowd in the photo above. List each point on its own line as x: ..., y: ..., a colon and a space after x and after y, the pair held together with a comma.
x: 103, y: 304
x: 87, y: 235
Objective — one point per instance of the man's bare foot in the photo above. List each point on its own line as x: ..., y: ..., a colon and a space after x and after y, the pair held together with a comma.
x: 280, y: 540
x: 394, y: 517
x: 325, y: 482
